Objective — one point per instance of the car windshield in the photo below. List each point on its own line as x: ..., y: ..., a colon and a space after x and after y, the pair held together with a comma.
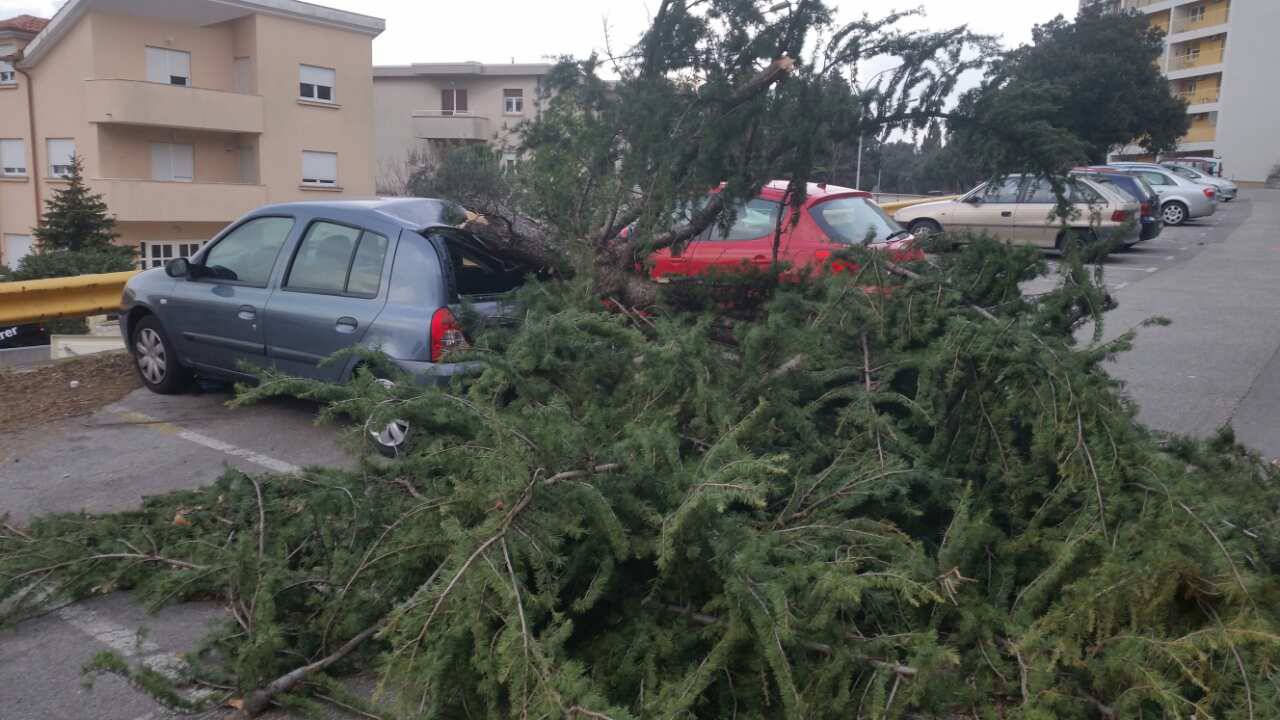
x: 854, y: 220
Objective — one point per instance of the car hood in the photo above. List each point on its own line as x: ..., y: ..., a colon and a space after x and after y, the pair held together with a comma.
x: 913, y: 210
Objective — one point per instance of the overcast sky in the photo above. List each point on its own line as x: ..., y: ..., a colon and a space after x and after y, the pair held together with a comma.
x: 502, y: 30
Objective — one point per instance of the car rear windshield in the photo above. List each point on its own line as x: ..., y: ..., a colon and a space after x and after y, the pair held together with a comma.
x: 854, y: 220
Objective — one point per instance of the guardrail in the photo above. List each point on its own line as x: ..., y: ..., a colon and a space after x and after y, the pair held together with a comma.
x: 30, y: 301
x: 894, y: 207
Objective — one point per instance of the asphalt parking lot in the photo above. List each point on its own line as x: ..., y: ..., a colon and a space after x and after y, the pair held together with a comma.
x: 1218, y: 362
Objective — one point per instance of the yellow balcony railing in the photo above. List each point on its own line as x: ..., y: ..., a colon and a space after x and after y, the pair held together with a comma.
x: 1199, y: 58
x: 1200, y: 97
x: 1215, y: 15
x: 1201, y: 132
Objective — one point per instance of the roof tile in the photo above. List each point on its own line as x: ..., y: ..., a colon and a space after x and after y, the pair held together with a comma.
x: 24, y: 23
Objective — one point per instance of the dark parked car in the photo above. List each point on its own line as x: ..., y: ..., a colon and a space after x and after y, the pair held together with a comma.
x: 1147, y: 197
x: 19, y: 336
x: 287, y: 286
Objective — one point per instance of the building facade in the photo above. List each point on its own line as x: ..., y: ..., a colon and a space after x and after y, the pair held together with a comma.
x: 421, y: 111
x: 186, y: 114
x: 1221, y: 56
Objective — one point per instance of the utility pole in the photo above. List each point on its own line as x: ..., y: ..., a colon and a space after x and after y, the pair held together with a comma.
x: 857, y: 184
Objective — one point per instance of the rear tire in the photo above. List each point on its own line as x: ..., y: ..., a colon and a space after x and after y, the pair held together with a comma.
x: 156, y: 360
x: 924, y: 228
x: 1175, y: 213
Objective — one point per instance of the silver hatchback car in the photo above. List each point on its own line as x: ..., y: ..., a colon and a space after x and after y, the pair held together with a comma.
x: 1180, y: 199
x: 288, y: 286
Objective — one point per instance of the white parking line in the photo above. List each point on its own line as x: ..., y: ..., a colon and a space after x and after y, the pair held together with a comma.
x: 117, y: 637
x: 1151, y: 270
x: 256, y: 458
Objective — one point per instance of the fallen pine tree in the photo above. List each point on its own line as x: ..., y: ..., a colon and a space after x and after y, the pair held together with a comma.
x: 920, y: 501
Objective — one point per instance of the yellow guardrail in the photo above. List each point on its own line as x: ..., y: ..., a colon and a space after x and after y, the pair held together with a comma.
x: 30, y: 301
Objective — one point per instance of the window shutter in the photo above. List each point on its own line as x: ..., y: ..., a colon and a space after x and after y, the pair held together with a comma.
x: 60, y: 153
x: 157, y: 65
x: 13, y: 157
x: 320, y: 167
x: 317, y: 75
x: 446, y: 102
x: 183, y: 162
x: 460, y: 101
x: 161, y: 162
x: 179, y: 66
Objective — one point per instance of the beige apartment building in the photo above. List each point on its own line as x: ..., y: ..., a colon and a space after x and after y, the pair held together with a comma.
x: 1222, y: 56
x: 186, y: 113
x: 423, y: 110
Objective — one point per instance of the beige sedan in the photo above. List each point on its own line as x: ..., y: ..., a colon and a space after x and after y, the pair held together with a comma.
x: 1020, y: 209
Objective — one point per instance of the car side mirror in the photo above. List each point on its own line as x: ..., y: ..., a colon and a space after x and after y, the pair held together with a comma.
x: 178, y: 268
x: 975, y: 200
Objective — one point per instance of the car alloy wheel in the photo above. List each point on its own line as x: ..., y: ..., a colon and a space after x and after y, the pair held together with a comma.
x: 1174, y: 214
x: 153, y: 361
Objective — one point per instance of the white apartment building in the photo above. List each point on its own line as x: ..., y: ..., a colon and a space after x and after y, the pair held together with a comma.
x: 1222, y: 56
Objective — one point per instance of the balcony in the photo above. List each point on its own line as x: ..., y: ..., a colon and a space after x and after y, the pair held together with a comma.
x: 1196, y: 59
x: 1211, y: 17
x: 150, y: 201
x: 437, y: 126
x: 1201, y: 97
x: 1201, y: 132
x: 135, y: 102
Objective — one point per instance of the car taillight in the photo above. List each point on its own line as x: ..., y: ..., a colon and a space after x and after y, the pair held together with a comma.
x: 1120, y: 216
x: 1209, y: 193
x: 446, y: 334
x: 1146, y: 209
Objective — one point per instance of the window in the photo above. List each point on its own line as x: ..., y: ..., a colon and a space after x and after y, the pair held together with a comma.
x: 1040, y: 192
x: 316, y: 83
x: 1004, y: 191
x: 13, y: 158
x: 319, y: 168
x: 1155, y: 179
x: 158, y: 253
x: 1196, y: 14
x: 7, y: 75
x: 513, y: 102
x: 510, y: 161
x: 171, y: 67
x: 755, y: 219
x: 854, y: 220
x: 453, y: 101
x: 338, y: 260
x: 172, y: 163
x: 1082, y: 193
x: 15, y: 248
x: 61, y: 153
x: 248, y: 253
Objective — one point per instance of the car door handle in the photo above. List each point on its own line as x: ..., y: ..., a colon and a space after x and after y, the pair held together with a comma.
x: 761, y: 260
x: 247, y: 312
x: 1007, y: 213
x: 346, y: 325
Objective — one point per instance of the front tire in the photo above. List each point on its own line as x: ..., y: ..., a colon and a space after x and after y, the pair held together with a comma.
x: 924, y: 228
x: 156, y: 360
x: 1175, y: 213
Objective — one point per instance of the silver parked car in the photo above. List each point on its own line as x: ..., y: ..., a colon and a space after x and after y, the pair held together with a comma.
x: 1180, y: 199
x: 288, y: 286
x: 1227, y: 190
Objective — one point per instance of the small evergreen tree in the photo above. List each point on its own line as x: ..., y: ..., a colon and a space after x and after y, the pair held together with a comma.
x: 76, y: 218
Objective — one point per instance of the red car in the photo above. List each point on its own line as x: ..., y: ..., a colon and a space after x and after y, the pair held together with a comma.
x: 831, y: 217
